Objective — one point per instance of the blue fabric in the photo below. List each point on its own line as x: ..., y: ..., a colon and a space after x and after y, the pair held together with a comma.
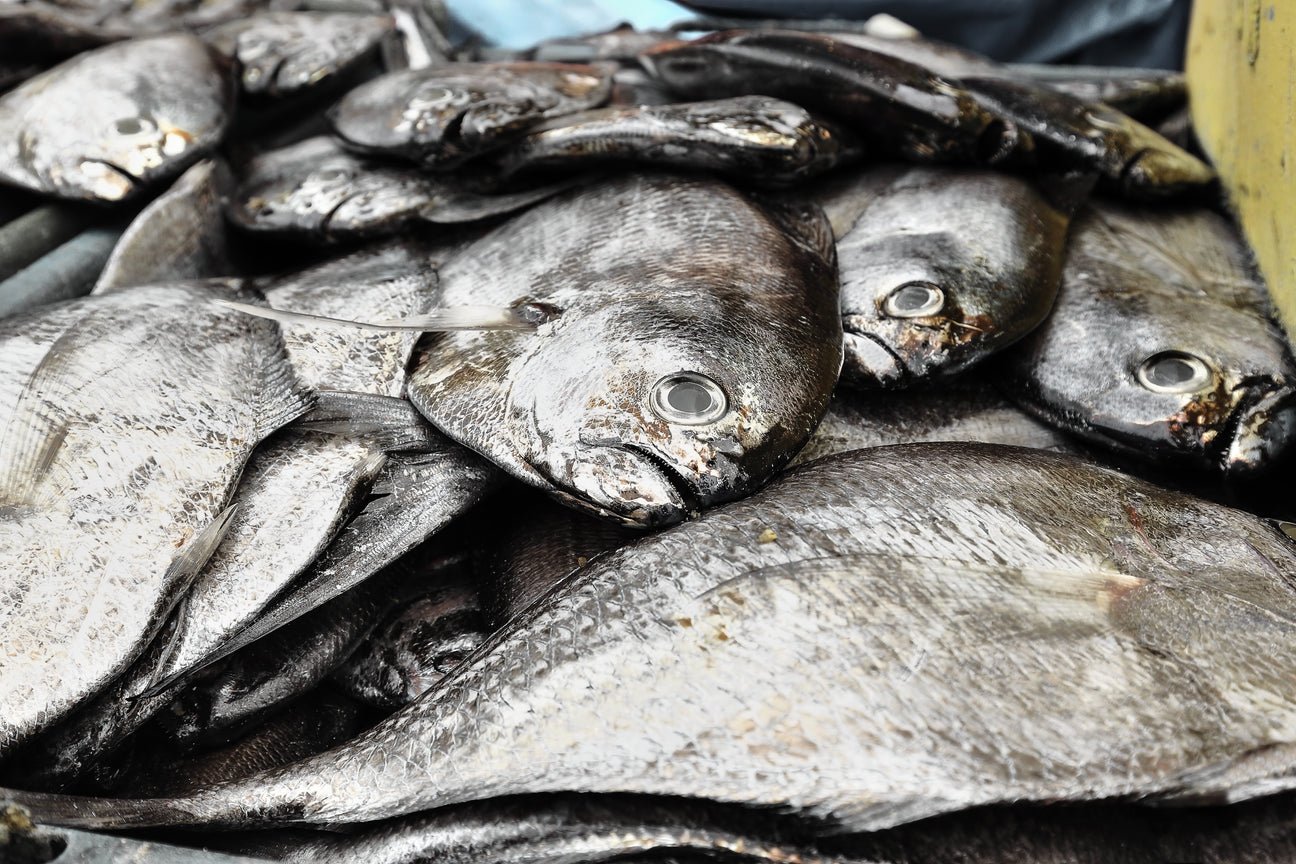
x: 523, y: 23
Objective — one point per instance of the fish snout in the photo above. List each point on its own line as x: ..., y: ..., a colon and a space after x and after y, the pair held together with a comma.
x: 870, y: 363
x: 630, y: 485
x: 1263, y: 433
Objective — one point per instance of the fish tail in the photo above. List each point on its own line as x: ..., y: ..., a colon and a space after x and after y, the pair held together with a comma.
x: 75, y: 811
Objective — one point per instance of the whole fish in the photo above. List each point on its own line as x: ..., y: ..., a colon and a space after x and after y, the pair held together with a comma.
x: 318, y: 190
x: 180, y: 235
x: 875, y: 638
x: 940, y: 267
x: 751, y: 137
x: 692, y: 342
x: 965, y: 408
x: 112, y: 121
x: 1161, y: 345
x: 280, y: 53
x: 122, y: 441
x: 444, y: 114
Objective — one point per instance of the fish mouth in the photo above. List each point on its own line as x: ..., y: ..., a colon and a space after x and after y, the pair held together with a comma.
x: 625, y: 482
x: 1259, y: 432
x: 870, y: 362
x: 106, y: 180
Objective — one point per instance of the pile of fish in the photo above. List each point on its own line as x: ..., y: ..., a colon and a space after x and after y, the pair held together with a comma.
x: 409, y: 444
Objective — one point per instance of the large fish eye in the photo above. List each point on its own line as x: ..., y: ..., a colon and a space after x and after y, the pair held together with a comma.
x: 914, y: 300
x: 1173, y: 372
x: 134, y: 126
x: 688, y: 398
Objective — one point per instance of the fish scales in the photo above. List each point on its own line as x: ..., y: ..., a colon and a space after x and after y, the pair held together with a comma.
x: 1148, y: 635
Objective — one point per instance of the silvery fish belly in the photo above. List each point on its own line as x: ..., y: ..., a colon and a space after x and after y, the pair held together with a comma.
x: 122, y: 442
x: 940, y: 267
x: 447, y: 113
x: 691, y: 344
x: 1161, y: 345
x: 112, y: 121
x: 877, y: 637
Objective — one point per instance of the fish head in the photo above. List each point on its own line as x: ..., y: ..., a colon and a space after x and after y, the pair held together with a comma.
x: 671, y: 416
x: 922, y: 304
x: 1181, y: 381
x: 702, y: 68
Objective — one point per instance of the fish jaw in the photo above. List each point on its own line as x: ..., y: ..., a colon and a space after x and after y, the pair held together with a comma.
x: 628, y: 485
x: 1262, y: 434
x: 870, y: 363
x: 97, y: 180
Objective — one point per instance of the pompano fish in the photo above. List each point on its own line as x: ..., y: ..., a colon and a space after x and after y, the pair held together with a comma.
x: 901, y: 109
x: 109, y: 122
x: 940, y: 267
x: 280, y: 53
x: 752, y: 137
x: 965, y: 408
x: 834, y: 647
x: 691, y: 347
x: 445, y: 114
x: 179, y: 235
x: 122, y: 441
x: 1161, y: 345
x: 316, y: 189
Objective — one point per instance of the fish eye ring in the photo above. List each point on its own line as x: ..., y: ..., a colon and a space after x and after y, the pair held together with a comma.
x: 688, y: 398
x: 914, y: 300
x: 1174, y: 372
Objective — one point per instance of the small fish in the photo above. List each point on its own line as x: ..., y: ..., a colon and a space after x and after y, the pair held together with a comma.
x: 280, y: 53
x: 110, y: 122
x: 318, y: 190
x: 940, y: 267
x: 180, y: 234
x: 754, y: 138
x: 913, y: 643
x: 122, y: 439
x: 692, y: 342
x: 444, y: 114
x: 1161, y: 345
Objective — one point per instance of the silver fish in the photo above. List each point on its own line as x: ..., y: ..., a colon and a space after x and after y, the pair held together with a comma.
x: 112, y: 121
x: 940, y: 267
x: 444, y: 114
x: 1161, y: 345
x: 875, y: 638
x: 280, y: 53
x: 180, y: 235
x: 123, y: 439
x: 655, y: 387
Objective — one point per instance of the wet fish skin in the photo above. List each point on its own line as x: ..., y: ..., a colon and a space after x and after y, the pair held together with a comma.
x: 110, y: 491
x: 684, y: 276
x: 898, y: 574
x: 1143, y: 286
x: 901, y: 109
x: 444, y: 114
x: 112, y: 121
x: 752, y: 137
x: 281, y: 53
x: 986, y: 247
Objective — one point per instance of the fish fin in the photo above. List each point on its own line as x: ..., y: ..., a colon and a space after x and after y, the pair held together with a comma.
x: 282, y: 397
x: 1067, y: 191
x: 392, y: 423
x: 804, y: 223
x: 449, y: 318
x: 78, y: 811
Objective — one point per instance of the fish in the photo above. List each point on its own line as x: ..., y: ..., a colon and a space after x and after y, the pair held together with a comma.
x: 875, y: 638
x: 442, y: 115
x: 317, y: 190
x: 900, y: 109
x: 113, y: 121
x: 940, y: 266
x: 967, y: 407
x: 655, y: 386
x: 281, y: 53
x: 1161, y: 346
x: 179, y: 235
x: 113, y: 495
x: 754, y: 138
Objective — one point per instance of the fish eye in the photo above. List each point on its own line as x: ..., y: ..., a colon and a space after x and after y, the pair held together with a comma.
x: 134, y: 126
x: 1174, y: 372
x: 914, y: 300
x: 688, y: 398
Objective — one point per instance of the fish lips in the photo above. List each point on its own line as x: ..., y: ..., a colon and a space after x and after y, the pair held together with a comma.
x: 623, y: 482
x: 1262, y: 434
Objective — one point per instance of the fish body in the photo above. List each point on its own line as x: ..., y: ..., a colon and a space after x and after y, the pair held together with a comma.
x: 115, y: 493
x: 656, y: 386
x: 751, y: 137
x: 109, y: 122
x: 940, y: 267
x: 835, y: 647
x: 443, y: 114
x: 1161, y: 345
